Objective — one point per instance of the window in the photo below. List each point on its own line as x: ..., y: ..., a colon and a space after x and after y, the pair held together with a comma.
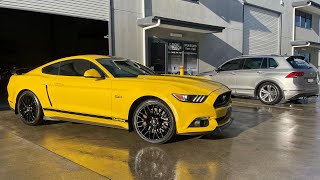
x: 264, y: 64
x: 308, y: 21
x: 272, y: 63
x: 232, y: 65
x: 253, y: 63
x: 124, y: 67
x: 298, y: 18
x: 298, y: 63
x: 77, y: 68
x: 74, y: 67
x: 305, y: 54
x: 303, y: 20
x: 51, y: 69
x: 193, y: 1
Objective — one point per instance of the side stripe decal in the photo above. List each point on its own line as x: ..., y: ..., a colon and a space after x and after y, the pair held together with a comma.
x: 89, y: 115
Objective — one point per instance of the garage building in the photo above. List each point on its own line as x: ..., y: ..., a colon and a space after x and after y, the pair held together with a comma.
x: 163, y: 34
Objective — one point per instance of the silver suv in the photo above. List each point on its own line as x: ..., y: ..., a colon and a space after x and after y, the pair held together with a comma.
x: 270, y: 78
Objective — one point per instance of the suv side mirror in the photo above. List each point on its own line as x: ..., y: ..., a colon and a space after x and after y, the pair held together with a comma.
x: 92, y: 73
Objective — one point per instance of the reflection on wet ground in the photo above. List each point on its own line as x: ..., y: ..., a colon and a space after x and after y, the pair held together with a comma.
x: 264, y: 142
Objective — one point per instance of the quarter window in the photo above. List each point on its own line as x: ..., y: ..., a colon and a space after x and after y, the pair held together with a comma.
x: 51, y: 69
x: 303, y: 20
x: 272, y: 63
x: 232, y: 65
x: 253, y: 63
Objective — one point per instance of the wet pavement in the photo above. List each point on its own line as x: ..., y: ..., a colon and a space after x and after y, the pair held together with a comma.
x: 264, y: 142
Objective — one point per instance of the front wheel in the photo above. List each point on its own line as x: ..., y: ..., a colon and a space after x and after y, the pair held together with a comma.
x: 154, y: 122
x: 29, y: 109
x: 269, y: 93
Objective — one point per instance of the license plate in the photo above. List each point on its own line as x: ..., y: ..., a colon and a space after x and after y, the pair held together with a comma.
x: 310, y: 80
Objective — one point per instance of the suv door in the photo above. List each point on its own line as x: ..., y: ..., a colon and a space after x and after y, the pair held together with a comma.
x: 250, y: 74
x: 227, y: 73
x: 76, y: 94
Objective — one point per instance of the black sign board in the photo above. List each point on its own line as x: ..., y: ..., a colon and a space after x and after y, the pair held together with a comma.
x: 175, y: 48
x: 191, y: 48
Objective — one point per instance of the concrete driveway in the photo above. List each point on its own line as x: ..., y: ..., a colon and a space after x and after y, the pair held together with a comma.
x: 264, y: 142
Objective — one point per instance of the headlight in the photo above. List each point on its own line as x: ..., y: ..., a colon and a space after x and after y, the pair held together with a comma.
x: 190, y: 98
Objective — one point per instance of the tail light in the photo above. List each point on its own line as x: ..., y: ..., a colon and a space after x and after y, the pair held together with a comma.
x: 295, y: 74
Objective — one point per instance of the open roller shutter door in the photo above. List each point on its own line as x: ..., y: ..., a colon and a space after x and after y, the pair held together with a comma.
x: 93, y: 9
x: 261, y: 31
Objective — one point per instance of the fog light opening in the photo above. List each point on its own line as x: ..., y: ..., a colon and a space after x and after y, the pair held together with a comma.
x: 200, y: 122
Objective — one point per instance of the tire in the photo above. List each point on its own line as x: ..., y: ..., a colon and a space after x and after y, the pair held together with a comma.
x: 269, y: 93
x: 154, y: 122
x: 29, y: 109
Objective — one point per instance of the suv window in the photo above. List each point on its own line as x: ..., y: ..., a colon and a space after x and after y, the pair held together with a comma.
x: 232, y: 65
x: 264, y: 64
x: 253, y: 63
x: 298, y: 63
x: 272, y: 63
x: 52, y: 69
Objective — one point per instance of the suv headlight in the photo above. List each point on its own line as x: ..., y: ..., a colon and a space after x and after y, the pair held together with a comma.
x: 190, y: 98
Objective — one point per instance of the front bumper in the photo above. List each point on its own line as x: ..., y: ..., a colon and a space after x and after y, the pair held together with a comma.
x: 217, y: 117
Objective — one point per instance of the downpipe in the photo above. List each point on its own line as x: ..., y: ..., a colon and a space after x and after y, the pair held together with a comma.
x: 144, y: 39
x: 294, y: 25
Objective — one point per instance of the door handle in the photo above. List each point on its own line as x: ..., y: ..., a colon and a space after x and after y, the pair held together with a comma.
x: 233, y: 73
x: 259, y: 72
x: 58, y: 84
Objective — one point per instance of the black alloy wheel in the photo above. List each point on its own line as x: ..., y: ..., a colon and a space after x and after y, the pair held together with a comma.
x: 29, y: 109
x: 154, y: 122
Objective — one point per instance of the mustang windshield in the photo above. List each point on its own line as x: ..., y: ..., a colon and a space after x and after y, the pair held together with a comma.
x: 124, y: 67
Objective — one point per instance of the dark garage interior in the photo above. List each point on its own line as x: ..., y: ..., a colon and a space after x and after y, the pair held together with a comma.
x: 30, y: 39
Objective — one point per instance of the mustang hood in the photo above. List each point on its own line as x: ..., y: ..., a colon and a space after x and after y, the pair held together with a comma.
x: 188, y: 84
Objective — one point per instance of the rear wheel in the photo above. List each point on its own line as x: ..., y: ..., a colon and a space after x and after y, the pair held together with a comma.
x: 29, y: 109
x: 269, y: 93
x: 154, y: 122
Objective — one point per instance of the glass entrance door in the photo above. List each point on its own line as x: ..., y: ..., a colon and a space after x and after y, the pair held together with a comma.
x: 158, y: 57
x: 175, y: 57
x: 167, y: 56
x: 191, y: 58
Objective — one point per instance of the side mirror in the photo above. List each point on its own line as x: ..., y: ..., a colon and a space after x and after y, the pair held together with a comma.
x: 92, y: 73
x: 218, y: 70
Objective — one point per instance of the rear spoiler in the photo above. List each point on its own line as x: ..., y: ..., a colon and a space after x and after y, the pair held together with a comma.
x: 296, y: 57
x: 21, y: 71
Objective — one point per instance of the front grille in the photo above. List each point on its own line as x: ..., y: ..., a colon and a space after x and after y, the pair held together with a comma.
x: 222, y: 100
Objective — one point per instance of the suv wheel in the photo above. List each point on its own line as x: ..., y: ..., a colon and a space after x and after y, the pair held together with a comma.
x: 269, y: 93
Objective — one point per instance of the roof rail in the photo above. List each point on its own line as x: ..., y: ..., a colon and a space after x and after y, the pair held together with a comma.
x: 257, y: 55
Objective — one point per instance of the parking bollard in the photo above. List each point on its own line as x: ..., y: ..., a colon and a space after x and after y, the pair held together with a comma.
x: 181, y: 70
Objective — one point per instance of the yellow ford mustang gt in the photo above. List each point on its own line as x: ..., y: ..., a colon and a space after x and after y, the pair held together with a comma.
x: 120, y: 93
